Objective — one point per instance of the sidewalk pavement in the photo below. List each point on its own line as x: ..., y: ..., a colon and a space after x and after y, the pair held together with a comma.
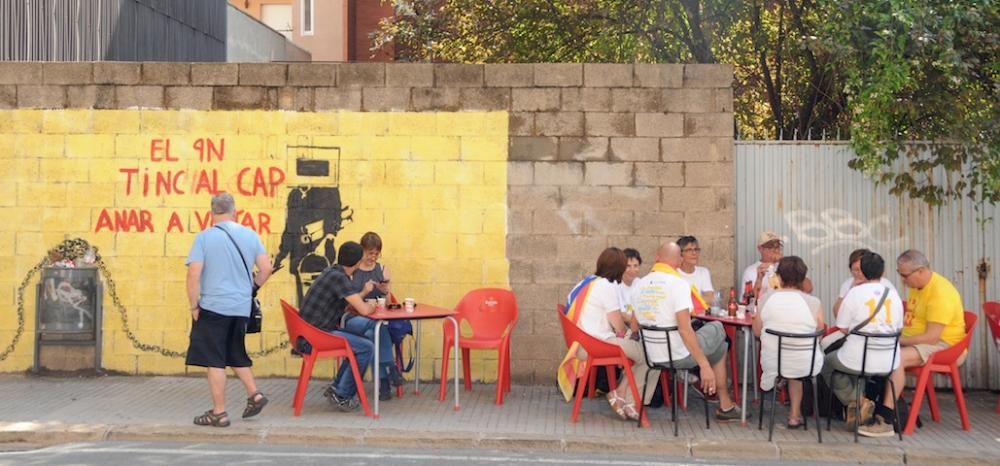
x: 46, y: 410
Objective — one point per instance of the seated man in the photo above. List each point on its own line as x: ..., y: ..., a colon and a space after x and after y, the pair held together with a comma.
x: 663, y: 298
x: 858, y: 304
x: 761, y: 274
x: 324, y: 305
x: 934, y: 320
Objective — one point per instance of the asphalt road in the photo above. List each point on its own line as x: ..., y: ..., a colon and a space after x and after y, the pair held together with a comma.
x: 130, y: 453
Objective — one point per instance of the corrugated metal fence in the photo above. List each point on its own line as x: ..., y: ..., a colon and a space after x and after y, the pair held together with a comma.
x: 249, y: 40
x: 119, y: 30
x: 804, y: 191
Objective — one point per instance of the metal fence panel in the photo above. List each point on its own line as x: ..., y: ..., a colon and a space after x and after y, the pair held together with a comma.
x: 804, y: 191
x: 122, y: 30
x: 249, y: 40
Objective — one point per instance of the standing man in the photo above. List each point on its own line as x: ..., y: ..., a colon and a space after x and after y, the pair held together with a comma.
x: 663, y: 298
x: 761, y: 273
x: 934, y: 320
x: 219, y: 292
x: 325, y: 304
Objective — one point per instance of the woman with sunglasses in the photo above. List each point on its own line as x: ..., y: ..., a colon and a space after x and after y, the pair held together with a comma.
x: 693, y: 273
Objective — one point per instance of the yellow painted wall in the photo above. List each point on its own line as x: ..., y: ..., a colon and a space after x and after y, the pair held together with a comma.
x: 433, y: 185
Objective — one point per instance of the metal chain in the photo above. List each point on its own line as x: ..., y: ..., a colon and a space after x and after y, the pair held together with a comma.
x: 72, y: 249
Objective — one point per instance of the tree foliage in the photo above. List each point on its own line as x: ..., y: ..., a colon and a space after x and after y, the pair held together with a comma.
x: 914, y: 84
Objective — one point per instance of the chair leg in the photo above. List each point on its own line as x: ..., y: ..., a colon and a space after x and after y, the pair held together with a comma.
x: 932, y: 401
x: 829, y: 410
x: 705, y: 404
x: 774, y: 396
x: 358, y: 381
x: 956, y: 385
x: 642, y: 406
x: 467, y: 368
x: 918, y: 399
x: 862, y: 382
x: 998, y: 404
x: 592, y: 383
x: 819, y: 431
x: 581, y: 385
x: 305, y: 373
x: 895, y: 409
x: 665, y: 388
x: 760, y: 415
x: 673, y: 406
x: 643, y: 421
x: 609, y: 372
x: 445, y: 360
x: 501, y: 382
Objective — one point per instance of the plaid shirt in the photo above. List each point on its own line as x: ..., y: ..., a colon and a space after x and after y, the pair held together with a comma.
x: 325, y: 301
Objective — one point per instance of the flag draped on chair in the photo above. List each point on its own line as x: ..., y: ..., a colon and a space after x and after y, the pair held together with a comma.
x: 568, y: 371
x: 696, y: 298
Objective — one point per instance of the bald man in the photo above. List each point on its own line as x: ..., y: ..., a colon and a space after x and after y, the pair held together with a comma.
x: 663, y: 299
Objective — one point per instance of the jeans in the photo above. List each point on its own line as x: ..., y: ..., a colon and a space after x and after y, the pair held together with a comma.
x: 363, y: 326
x: 343, y: 383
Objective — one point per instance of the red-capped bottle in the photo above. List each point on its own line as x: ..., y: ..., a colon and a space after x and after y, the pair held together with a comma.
x: 732, y: 302
x: 748, y: 292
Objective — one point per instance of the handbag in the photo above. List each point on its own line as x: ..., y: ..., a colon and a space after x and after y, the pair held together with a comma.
x: 256, y: 315
x: 835, y: 340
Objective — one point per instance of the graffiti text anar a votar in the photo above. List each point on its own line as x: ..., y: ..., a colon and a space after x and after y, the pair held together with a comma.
x: 170, y: 175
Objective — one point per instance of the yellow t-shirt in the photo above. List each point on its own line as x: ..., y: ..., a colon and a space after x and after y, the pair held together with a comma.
x: 938, y: 302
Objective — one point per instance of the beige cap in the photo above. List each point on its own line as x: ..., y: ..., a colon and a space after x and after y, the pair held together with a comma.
x: 767, y: 237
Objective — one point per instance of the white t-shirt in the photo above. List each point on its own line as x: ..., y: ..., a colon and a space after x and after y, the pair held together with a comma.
x: 846, y: 286
x: 789, y: 311
x: 856, y: 307
x: 625, y: 298
x: 700, y: 278
x: 750, y: 275
x: 602, y: 299
x: 658, y: 297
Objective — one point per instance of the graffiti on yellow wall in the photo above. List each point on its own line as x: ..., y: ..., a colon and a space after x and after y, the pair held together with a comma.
x: 137, y: 184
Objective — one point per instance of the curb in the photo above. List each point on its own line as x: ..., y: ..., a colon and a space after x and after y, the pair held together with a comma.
x: 20, y: 435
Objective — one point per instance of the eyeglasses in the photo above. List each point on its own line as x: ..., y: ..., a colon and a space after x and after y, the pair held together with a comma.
x: 773, y: 246
x: 691, y: 250
x: 907, y: 275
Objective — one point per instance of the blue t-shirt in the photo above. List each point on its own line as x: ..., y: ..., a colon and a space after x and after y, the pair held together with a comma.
x: 225, y: 286
x: 362, y: 276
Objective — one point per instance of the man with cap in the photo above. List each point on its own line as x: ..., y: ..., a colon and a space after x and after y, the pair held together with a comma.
x: 761, y: 273
x: 325, y: 304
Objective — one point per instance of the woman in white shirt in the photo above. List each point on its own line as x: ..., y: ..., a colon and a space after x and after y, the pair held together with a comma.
x: 857, y: 278
x: 693, y: 273
x: 788, y: 309
x: 602, y: 318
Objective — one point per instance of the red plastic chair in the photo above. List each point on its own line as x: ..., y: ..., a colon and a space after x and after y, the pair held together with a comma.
x: 324, y: 345
x: 991, y: 309
x: 599, y: 353
x: 941, y: 362
x: 492, y: 314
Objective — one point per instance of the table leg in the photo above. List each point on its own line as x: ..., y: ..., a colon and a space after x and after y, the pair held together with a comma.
x: 454, y: 325
x: 746, y: 359
x: 735, y: 387
x: 375, y: 366
x: 416, y: 359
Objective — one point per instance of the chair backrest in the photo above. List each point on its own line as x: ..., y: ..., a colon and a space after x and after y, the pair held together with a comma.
x: 876, y: 343
x: 797, y: 343
x: 952, y: 353
x: 595, y: 348
x: 490, y: 312
x: 561, y: 309
x: 991, y: 309
x: 653, y: 336
x: 298, y: 327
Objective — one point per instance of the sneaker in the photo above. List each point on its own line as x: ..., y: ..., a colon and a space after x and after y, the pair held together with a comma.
x: 732, y: 415
x: 694, y: 387
x: 867, y: 409
x: 395, y: 376
x: 877, y: 428
x: 345, y: 405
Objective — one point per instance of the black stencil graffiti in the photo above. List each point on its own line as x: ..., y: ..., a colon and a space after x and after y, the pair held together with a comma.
x: 315, y: 214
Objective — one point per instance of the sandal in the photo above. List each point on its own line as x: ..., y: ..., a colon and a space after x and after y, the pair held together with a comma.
x: 254, y: 406
x: 618, y: 404
x: 793, y: 424
x: 631, y: 412
x: 212, y: 419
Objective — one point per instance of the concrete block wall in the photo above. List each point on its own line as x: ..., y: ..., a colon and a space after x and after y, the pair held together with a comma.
x: 597, y: 155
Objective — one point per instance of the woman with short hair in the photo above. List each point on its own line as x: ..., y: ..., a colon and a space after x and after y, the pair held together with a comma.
x: 788, y: 309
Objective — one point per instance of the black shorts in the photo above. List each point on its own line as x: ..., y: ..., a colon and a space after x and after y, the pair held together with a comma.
x: 218, y: 341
